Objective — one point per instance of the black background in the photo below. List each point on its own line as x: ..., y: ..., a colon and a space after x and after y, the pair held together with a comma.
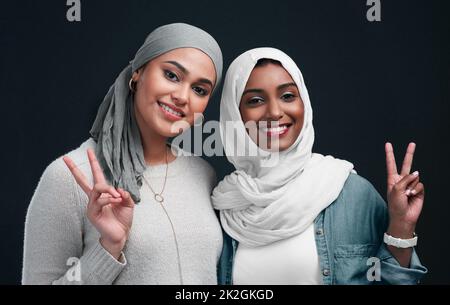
x: 368, y: 82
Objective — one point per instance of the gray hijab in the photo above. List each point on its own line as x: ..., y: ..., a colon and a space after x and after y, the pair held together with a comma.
x: 119, y: 148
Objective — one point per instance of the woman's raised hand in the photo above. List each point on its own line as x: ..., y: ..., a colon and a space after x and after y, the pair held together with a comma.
x: 110, y: 210
x: 405, y: 193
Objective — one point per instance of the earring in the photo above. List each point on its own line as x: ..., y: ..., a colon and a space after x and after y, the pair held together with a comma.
x: 131, y: 86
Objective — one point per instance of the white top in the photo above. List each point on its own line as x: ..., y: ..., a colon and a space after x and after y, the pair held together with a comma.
x: 58, y: 233
x: 291, y: 261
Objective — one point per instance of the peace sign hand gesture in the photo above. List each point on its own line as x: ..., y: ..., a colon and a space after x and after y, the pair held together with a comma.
x: 109, y: 210
x: 405, y: 193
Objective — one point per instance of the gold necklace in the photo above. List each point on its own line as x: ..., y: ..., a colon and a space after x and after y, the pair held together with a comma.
x: 160, y: 199
x: 158, y: 196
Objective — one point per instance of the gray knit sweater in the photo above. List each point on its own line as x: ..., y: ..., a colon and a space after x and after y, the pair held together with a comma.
x: 62, y: 247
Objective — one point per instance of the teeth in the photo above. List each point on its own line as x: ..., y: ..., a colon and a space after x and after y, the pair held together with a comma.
x: 275, y: 129
x: 168, y: 109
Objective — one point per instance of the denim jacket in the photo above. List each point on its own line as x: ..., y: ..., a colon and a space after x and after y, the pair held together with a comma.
x: 349, y: 238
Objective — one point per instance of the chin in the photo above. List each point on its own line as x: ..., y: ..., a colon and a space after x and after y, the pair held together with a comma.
x: 285, y: 146
x: 167, y: 132
x: 171, y: 130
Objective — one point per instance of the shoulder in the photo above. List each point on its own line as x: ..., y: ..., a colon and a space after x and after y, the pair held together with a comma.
x: 358, y: 185
x: 359, y: 214
x: 58, y: 176
x: 78, y: 156
x: 200, y: 165
x: 57, y: 191
x: 359, y: 195
x: 201, y: 170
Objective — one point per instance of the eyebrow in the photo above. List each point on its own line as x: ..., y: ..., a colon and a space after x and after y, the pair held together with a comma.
x: 185, y: 71
x: 178, y: 65
x: 253, y: 91
x: 286, y: 85
x: 206, y: 81
x: 282, y: 86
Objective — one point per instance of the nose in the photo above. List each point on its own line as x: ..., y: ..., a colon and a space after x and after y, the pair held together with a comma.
x: 274, y: 110
x: 181, y: 96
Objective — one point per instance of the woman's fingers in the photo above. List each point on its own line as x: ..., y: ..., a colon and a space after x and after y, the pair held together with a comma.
x: 127, y: 200
x: 411, y: 186
x: 105, y: 201
x: 80, y: 178
x: 391, y: 167
x: 407, y: 161
x: 405, y: 181
x: 97, y: 205
x: 418, y: 189
x: 100, y: 188
x: 95, y: 167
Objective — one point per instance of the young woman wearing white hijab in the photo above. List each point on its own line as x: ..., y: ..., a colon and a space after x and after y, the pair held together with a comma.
x: 297, y: 217
x: 139, y: 214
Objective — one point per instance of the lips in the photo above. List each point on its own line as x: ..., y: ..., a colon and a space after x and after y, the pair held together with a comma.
x: 171, y: 112
x: 276, y: 131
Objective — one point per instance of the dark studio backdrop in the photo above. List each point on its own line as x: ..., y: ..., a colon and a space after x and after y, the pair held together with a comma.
x: 369, y: 82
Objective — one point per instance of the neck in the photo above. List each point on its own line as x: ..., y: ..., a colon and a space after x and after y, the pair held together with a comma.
x: 153, y: 144
x: 155, y: 148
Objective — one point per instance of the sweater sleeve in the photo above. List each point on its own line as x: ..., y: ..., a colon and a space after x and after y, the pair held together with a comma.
x: 53, y: 243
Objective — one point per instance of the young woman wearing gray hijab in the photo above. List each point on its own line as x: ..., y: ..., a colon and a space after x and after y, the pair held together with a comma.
x: 123, y: 208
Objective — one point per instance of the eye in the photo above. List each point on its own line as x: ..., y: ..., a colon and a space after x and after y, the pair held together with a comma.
x: 288, y: 96
x: 200, y: 91
x: 171, y: 76
x: 254, y: 101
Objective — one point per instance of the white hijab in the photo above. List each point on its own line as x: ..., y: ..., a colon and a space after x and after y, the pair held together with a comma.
x: 261, y: 204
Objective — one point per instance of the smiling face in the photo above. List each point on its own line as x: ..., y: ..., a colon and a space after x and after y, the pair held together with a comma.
x: 170, y: 89
x: 272, y: 100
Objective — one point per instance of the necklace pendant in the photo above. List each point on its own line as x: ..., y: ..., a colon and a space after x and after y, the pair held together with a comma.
x: 159, y: 198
